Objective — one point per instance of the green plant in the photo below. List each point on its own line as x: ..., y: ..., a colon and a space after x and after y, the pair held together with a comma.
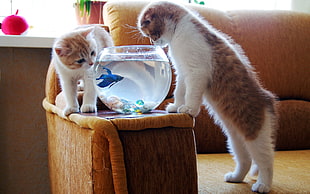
x: 84, y: 6
x: 198, y: 2
x: 89, y: 11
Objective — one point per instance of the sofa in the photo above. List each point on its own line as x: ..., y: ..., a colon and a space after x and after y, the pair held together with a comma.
x: 277, y: 43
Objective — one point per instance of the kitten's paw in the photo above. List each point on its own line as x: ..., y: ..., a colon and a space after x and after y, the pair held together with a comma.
x: 172, y: 108
x: 260, y: 187
x: 69, y: 110
x: 232, y: 178
x: 88, y: 108
x: 186, y: 109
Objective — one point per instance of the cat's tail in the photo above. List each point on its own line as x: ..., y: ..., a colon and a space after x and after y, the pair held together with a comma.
x: 254, y: 169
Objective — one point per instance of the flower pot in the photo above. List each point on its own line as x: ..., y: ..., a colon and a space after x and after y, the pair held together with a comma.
x: 95, y: 16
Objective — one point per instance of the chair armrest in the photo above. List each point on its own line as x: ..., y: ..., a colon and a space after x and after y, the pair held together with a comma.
x: 52, y: 85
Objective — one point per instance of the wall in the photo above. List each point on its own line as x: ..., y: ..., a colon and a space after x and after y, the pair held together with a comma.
x: 301, y: 5
x: 23, y: 131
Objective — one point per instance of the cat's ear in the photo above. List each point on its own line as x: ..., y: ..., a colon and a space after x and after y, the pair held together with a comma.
x: 147, y: 19
x: 62, y: 51
x: 58, y: 51
x: 149, y: 15
x: 86, y: 32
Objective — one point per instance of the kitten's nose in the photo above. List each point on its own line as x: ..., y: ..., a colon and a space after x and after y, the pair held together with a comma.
x: 90, y: 64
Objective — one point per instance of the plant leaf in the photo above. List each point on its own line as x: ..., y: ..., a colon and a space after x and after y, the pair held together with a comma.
x: 81, y: 4
x: 88, y: 6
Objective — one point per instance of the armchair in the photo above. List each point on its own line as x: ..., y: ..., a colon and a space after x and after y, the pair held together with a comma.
x: 101, y: 153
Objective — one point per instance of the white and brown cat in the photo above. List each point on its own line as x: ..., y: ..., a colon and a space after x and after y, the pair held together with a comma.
x: 74, y: 54
x: 212, y: 70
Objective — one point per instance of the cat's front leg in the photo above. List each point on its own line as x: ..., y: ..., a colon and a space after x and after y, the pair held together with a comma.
x: 69, y: 89
x: 179, y: 94
x: 195, y: 87
x: 89, y: 97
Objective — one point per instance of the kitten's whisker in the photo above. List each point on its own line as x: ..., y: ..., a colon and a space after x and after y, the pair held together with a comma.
x: 138, y: 37
x: 135, y: 32
x: 129, y: 26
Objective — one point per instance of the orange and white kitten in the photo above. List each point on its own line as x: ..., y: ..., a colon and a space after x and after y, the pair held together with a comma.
x: 212, y: 70
x: 74, y: 54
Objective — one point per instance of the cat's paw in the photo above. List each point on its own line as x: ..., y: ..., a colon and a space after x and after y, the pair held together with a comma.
x: 88, y: 108
x: 260, y: 187
x: 232, y: 178
x: 172, y: 108
x: 69, y: 110
x: 189, y: 110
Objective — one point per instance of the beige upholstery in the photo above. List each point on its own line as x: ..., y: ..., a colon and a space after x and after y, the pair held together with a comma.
x: 94, y: 154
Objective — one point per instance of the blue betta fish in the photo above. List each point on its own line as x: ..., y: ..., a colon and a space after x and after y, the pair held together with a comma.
x: 108, y: 79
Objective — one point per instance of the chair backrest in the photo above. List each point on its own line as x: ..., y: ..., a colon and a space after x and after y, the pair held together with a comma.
x: 276, y: 42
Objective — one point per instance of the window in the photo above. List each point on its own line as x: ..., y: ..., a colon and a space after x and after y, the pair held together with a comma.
x: 249, y: 4
x: 46, y: 18
x: 51, y: 18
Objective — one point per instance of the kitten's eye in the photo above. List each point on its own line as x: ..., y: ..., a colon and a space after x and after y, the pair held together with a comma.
x: 146, y: 22
x: 93, y: 53
x: 81, y: 61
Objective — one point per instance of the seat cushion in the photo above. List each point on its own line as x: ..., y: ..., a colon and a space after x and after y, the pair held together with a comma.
x: 291, y: 173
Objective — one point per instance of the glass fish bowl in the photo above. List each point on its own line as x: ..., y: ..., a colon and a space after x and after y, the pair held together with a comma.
x: 132, y: 79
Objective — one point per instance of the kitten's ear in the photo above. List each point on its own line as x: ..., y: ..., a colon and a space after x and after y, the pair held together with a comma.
x: 60, y: 51
x: 150, y: 14
x: 86, y: 32
x: 148, y: 17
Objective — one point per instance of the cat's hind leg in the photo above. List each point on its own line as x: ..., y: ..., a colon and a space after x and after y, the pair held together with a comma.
x: 261, y: 150
x: 241, y: 156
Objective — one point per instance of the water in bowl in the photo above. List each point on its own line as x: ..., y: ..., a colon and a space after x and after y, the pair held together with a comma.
x: 132, y: 85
